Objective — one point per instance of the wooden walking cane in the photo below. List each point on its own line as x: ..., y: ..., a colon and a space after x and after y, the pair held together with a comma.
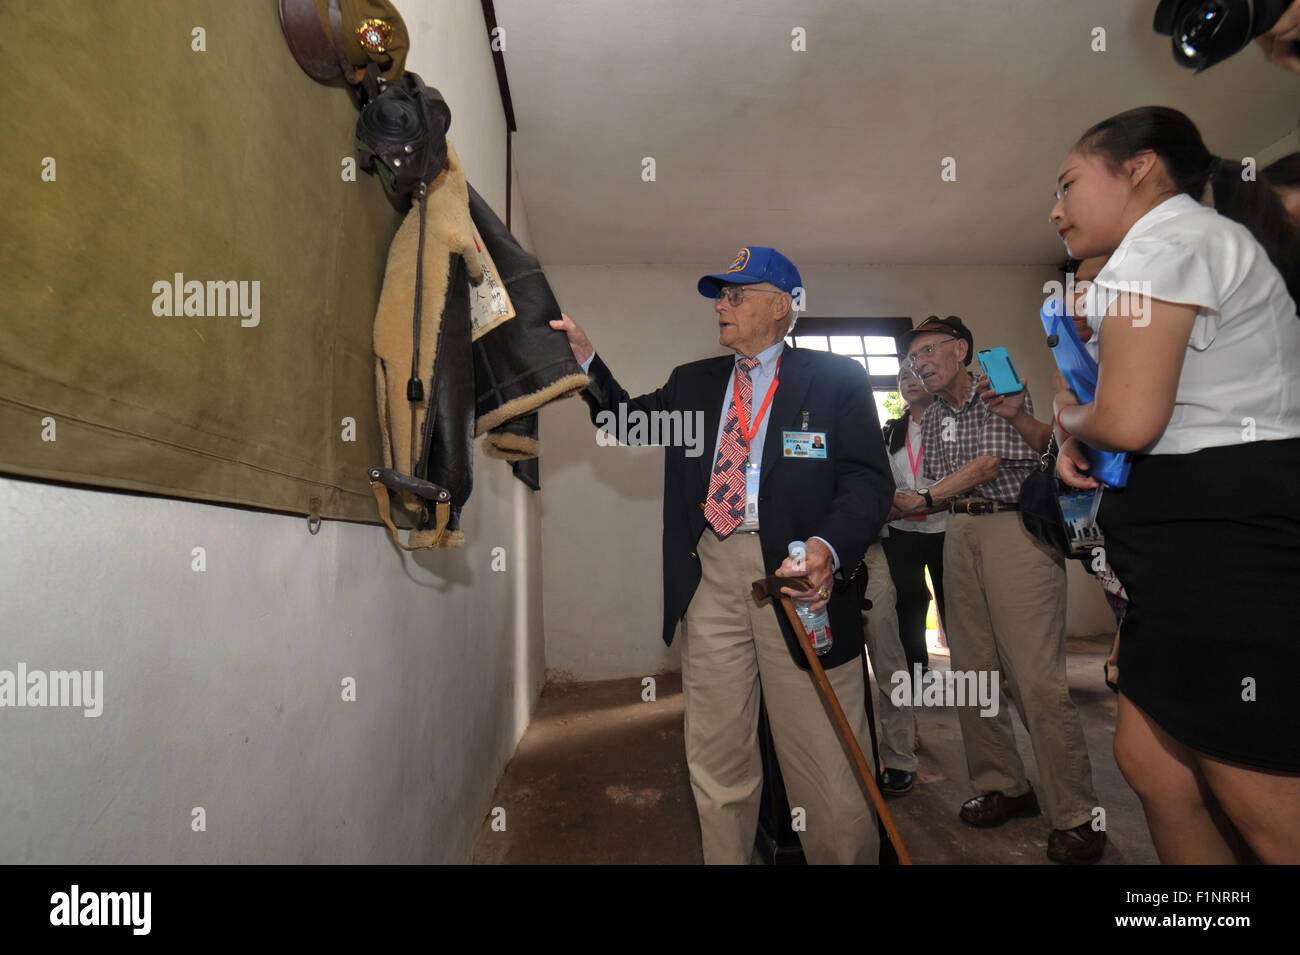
x: 771, y: 587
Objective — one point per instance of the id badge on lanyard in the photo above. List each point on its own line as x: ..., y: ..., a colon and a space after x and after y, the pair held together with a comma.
x: 750, y: 523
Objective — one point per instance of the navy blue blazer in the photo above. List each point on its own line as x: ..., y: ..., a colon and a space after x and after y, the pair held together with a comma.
x: 843, y: 498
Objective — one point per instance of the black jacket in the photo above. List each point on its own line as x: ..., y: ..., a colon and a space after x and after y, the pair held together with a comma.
x: 524, y: 363
x: 843, y: 498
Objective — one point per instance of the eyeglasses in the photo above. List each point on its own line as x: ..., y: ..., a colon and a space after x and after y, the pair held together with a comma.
x: 735, y: 294
x: 927, y: 352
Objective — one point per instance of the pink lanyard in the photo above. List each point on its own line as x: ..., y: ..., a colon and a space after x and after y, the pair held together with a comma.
x: 914, y: 463
x: 916, y: 467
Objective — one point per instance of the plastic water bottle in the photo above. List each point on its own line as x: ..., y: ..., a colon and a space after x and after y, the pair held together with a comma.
x: 815, y: 623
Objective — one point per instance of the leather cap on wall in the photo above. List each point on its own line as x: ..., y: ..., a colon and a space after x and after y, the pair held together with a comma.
x: 369, y: 31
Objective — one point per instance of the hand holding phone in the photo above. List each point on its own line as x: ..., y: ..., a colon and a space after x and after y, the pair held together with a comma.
x: 997, y: 367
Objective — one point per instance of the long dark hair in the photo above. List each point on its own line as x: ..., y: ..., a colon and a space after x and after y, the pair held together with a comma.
x: 895, y: 429
x: 1285, y: 172
x: 895, y: 432
x: 1175, y: 139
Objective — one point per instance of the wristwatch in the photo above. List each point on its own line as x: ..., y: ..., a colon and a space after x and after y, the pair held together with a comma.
x: 925, y: 493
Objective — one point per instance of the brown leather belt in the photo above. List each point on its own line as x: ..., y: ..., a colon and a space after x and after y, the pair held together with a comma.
x: 976, y: 505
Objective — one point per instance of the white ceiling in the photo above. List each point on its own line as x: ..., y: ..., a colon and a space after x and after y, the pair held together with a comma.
x: 833, y: 155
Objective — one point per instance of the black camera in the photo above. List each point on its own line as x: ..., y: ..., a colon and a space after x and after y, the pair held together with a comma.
x: 1205, y: 32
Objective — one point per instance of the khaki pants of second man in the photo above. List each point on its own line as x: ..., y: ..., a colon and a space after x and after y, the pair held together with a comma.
x: 1004, y: 610
x: 885, y: 651
x: 729, y: 644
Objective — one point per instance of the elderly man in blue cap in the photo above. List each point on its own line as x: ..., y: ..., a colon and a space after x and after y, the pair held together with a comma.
x: 796, y: 456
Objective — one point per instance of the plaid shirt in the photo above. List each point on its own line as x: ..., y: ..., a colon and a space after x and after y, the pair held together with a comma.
x: 954, y: 437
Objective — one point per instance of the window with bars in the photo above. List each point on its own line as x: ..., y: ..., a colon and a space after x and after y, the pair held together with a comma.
x: 871, y: 342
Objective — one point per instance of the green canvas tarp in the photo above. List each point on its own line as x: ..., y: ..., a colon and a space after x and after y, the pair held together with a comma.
x: 132, y: 162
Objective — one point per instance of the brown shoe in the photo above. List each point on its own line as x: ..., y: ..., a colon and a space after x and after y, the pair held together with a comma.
x: 993, y: 809
x: 1078, y: 846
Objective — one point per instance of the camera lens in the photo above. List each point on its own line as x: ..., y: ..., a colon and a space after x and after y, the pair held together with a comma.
x: 1205, y: 32
x: 1198, y: 27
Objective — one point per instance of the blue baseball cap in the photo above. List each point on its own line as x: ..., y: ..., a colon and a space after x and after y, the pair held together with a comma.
x: 754, y: 263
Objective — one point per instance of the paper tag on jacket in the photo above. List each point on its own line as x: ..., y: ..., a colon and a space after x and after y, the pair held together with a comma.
x: 489, y: 302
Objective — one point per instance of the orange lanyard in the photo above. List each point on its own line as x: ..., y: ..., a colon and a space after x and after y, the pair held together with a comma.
x: 740, y: 411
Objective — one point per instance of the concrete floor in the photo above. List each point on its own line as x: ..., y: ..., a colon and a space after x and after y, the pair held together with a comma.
x: 600, y: 777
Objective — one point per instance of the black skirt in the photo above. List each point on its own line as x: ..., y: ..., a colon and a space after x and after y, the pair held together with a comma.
x: 1207, y: 546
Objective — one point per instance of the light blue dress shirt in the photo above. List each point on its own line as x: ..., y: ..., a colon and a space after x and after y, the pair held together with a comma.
x: 762, y: 379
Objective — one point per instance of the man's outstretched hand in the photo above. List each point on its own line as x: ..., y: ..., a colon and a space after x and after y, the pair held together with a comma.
x: 578, y: 340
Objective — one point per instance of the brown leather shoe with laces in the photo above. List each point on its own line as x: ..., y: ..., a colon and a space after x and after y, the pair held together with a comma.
x: 993, y: 809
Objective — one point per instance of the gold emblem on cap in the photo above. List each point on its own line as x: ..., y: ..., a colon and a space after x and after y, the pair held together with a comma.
x: 741, y: 260
x: 373, y: 35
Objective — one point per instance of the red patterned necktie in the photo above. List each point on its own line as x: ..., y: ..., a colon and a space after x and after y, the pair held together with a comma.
x: 725, y: 508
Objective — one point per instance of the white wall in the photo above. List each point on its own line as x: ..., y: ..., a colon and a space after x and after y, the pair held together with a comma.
x: 222, y: 688
x: 602, y: 514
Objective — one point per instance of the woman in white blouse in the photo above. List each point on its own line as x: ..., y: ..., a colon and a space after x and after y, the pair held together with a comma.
x: 1200, y: 379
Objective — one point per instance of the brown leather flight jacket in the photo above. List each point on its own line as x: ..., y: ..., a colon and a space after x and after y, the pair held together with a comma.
x: 466, y: 387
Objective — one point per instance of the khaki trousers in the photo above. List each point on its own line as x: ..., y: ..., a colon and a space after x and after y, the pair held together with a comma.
x: 1004, y: 603
x: 885, y: 650
x: 730, y: 645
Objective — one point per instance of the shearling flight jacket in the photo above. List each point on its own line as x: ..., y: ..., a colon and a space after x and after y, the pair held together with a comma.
x: 490, y: 385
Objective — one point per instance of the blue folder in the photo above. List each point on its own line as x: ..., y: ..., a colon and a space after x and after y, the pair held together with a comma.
x: 1080, y: 371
